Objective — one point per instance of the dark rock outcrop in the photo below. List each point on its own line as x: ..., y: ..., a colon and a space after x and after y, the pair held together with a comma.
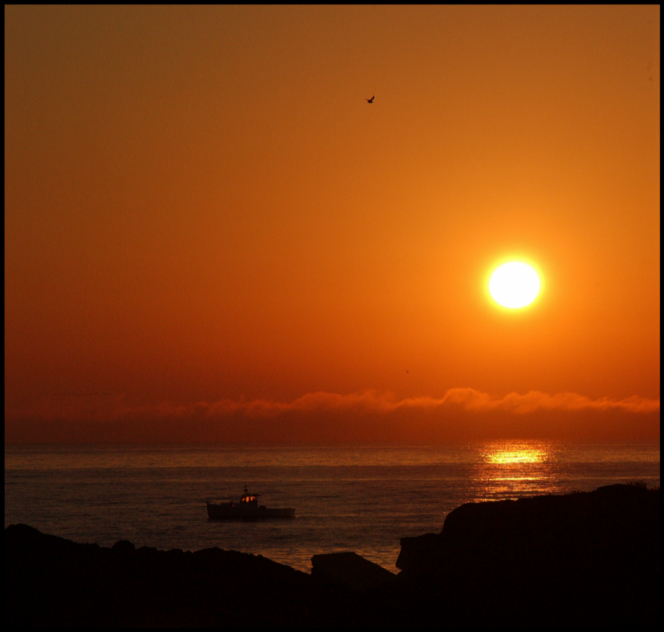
x: 577, y: 559
x: 584, y: 559
x: 349, y: 570
x: 50, y: 581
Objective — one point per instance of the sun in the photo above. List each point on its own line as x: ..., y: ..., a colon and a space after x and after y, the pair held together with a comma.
x: 514, y: 285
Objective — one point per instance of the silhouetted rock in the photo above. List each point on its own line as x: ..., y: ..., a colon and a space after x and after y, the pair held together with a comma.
x: 50, y: 581
x: 584, y: 559
x: 577, y: 559
x: 123, y: 547
x: 349, y: 570
x: 417, y: 551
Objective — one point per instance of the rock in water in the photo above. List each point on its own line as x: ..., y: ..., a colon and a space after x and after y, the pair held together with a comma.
x: 349, y: 570
x: 587, y: 558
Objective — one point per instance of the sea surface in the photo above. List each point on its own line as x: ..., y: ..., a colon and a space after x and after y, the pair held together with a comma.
x: 361, y: 499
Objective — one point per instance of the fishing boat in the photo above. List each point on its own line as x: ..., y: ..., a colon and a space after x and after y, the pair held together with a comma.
x: 247, y: 509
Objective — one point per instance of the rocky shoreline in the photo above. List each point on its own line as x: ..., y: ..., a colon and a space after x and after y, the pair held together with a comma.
x: 582, y: 559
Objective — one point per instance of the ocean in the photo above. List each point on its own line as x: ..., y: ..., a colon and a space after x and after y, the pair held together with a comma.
x: 361, y: 499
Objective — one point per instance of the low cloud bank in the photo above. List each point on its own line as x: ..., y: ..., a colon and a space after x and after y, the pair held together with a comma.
x: 367, y: 417
x: 466, y: 398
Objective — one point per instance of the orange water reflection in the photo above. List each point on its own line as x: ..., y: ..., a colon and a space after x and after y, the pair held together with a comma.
x: 511, y: 469
x: 515, y: 455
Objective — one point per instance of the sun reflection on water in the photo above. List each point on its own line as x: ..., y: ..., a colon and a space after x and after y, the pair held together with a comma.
x: 510, y: 455
x: 511, y: 469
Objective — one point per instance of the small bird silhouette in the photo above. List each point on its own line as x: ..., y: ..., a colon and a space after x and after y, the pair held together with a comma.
x: 371, y: 99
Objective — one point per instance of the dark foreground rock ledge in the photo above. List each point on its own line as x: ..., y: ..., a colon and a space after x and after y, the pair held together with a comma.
x: 582, y: 559
x: 588, y: 559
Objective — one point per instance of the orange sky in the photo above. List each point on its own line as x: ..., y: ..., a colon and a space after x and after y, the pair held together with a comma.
x: 210, y: 235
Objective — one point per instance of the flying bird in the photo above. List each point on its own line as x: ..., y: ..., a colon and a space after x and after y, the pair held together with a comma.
x: 371, y: 99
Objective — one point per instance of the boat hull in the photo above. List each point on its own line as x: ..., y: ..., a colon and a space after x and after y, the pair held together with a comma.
x: 233, y: 511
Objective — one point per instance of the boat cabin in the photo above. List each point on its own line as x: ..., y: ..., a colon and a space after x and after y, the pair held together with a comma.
x: 248, y: 498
